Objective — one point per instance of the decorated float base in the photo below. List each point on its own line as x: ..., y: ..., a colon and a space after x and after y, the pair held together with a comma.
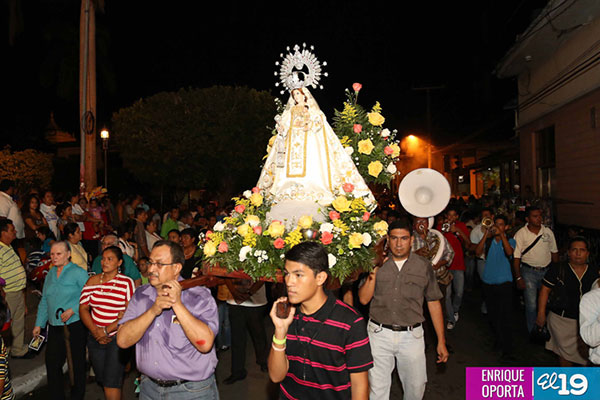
x: 211, y: 276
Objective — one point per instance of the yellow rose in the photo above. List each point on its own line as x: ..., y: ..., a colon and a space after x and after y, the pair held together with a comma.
x: 375, y: 119
x: 256, y: 199
x: 355, y: 240
x: 375, y: 168
x: 396, y: 150
x: 381, y: 228
x: 341, y: 203
x: 365, y: 146
x: 252, y: 220
x: 305, y: 222
x: 276, y: 229
x: 210, y: 248
x: 244, y: 230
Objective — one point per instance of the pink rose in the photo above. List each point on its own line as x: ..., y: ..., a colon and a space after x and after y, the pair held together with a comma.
x: 223, y: 247
x: 333, y: 215
x: 257, y: 230
x: 356, y: 86
x: 348, y: 187
x: 207, y: 234
x: 255, y: 189
x: 357, y: 128
x: 366, y: 216
x: 388, y: 151
x: 240, y: 208
x: 279, y: 243
x: 326, y: 238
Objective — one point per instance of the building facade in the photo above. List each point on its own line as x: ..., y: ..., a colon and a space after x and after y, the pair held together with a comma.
x: 556, y: 65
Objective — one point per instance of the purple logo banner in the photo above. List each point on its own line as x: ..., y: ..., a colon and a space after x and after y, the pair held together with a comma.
x: 494, y: 383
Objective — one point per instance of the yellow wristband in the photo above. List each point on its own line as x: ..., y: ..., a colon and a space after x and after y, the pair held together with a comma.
x: 280, y: 342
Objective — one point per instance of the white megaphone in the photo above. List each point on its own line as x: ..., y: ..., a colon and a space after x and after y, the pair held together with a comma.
x: 425, y: 193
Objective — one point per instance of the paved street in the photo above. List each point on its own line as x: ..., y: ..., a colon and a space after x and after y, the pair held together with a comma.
x: 471, y: 343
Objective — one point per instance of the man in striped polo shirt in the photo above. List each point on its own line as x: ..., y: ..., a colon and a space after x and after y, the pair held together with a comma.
x: 321, y: 349
x: 12, y: 271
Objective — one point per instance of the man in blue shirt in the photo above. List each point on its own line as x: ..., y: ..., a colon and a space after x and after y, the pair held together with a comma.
x: 129, y: 267
x: 497, y: 282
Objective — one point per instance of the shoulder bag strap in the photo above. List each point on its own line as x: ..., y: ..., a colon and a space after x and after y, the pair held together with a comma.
x: 537, y: 239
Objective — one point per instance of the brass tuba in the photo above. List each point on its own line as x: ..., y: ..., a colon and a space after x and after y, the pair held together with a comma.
x: 425, y: 193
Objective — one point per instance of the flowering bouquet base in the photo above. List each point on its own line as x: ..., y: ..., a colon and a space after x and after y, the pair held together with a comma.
x: 215, y: 275
x: 223, y: 272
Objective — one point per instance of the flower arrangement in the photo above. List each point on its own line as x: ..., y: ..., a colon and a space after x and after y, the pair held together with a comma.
x: 372, y: 147
x: 247, y: 241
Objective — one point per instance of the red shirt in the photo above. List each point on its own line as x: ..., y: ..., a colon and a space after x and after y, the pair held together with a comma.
x: 458, y: 263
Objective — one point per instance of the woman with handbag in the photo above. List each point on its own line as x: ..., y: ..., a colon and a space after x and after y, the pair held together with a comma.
x: 562, y: 288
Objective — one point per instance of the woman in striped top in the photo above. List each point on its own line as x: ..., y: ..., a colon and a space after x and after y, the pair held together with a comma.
x: 103, y: 302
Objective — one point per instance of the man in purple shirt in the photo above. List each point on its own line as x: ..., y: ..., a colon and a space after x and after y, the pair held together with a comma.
x: 173, y: 331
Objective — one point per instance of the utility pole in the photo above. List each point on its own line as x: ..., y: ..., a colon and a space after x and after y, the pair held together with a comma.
x: 87, y: 96
x: 427, y: 90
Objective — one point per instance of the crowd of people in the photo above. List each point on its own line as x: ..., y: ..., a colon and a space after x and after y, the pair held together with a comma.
x: 108, y: 280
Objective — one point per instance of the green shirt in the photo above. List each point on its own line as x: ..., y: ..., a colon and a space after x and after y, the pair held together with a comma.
x: 167, y: 227
x: 129, y: 267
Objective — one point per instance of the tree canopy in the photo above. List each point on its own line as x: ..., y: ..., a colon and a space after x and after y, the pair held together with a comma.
x: 28, y: 168
x: 211, y: 138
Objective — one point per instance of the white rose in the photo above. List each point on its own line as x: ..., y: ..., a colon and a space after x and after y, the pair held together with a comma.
x: 349, y: 150
x: 247, y: 194
x: 326, y: 227
x: 244, y: 253
x: 391, y: 168
x: 366, y: 239
x: 219, y: 226
x: 325, y: 202
x: 385, y: 132
x: 331, y: 259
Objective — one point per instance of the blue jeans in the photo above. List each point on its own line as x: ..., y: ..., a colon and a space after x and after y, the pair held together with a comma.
x: 480, y: 267
x: 202, y: 390
x: 453, y: 302
x: 533, y: 282
x: 469, y: 272
x: 224, y: 336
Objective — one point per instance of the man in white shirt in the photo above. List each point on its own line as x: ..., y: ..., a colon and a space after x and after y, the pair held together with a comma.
x: 535, y: 250
x: 9, y: 209
x: 47, y: 208
x: 589, y: 322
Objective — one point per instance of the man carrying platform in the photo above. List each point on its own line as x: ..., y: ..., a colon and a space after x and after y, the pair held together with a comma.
x: 173, y: 331
x: 321, y: 349
x: 396, y: 291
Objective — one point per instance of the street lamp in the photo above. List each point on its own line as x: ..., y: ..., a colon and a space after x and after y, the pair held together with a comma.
x: 104, y: 134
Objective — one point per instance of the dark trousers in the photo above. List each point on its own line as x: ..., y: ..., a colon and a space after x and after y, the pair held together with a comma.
x: 56, y: 354
x: 499, y: 306
x: 250, y: 319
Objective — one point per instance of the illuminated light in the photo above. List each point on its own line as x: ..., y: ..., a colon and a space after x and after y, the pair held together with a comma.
x: 412, y: 138
x: 104, y: 134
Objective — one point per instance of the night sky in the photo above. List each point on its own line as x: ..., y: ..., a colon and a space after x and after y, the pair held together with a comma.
x: 148, y: 47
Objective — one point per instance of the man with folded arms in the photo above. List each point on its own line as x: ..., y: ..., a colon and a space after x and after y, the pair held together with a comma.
x: 173, y: 331
x: 396, y: 291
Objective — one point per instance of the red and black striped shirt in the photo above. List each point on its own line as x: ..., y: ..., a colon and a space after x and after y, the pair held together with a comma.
x: 323, y: 349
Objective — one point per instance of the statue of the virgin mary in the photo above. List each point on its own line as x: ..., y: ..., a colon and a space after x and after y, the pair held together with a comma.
x: 307, y: 165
